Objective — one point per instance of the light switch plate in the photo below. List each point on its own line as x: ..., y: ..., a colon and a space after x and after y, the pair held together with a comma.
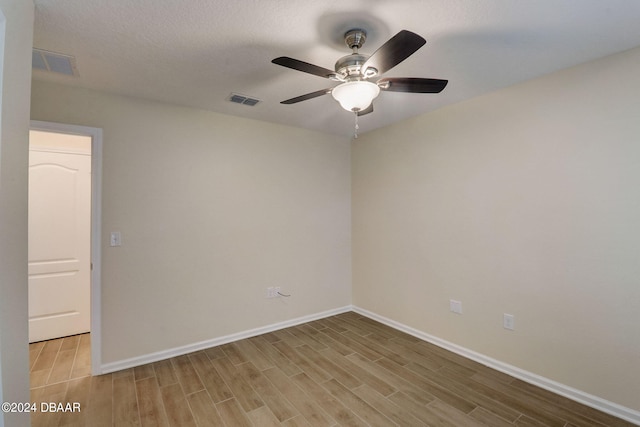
x: 116, y: 239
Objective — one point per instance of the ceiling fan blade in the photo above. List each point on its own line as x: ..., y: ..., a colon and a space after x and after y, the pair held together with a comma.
x: 305, y: 67
x: 412, y: 84
x: 367, y: 110
x: 306, y: 96
x: 394, y: 51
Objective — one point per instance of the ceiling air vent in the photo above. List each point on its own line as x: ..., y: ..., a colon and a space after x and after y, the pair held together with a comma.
x: 242, y: 99
x: 53, y: 62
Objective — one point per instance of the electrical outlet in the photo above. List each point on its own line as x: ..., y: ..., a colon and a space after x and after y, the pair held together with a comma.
x: 509, y: 321
x: 455, y: 306
x: 271, y: 292
x: 276, y: 292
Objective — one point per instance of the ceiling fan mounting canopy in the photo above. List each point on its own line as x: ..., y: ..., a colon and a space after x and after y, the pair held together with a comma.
x: 355, y: 38
x: 356, y: 93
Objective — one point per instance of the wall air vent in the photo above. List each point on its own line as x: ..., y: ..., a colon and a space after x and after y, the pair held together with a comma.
x: 53, y: 62
x: 242, y: 99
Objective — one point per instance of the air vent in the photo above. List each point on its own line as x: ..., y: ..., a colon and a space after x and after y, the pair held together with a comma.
x: 53, y: 62
x: 242, y: 99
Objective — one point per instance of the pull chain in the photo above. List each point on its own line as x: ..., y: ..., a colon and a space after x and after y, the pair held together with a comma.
x: 355, y: 133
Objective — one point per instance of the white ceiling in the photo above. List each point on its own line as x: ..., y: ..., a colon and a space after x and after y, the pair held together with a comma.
x: 196, y: 52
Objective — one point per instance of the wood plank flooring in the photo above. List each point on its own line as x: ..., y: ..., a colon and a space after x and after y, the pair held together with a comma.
x: 346, y: 370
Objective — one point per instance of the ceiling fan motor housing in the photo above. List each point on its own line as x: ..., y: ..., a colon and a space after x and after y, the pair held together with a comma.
x: 350, y: 65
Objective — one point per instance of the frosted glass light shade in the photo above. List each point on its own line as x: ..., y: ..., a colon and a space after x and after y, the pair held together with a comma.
x: 355, y: 96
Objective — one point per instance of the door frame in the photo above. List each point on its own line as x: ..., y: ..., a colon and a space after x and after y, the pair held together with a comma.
x: 96, y: 227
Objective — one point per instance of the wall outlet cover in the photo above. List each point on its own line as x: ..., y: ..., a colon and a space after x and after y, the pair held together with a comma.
x: 509, y: 321
x: 455, y: 306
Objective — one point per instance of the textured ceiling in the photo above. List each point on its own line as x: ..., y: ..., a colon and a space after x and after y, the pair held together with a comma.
x: 196, y: 52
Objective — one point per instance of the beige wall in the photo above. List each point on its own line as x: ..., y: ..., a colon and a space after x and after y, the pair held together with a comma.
x: 524, y: 201
x: 212, y: 209
x: 16, y: 19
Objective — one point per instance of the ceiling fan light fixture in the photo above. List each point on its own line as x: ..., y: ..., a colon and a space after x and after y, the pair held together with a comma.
x: 356, y: 95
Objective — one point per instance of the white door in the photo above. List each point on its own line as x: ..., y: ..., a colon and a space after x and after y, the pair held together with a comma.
x: 59, y: 241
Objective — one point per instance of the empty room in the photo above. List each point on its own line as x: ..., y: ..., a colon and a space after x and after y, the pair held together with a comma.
x: 298, y: 213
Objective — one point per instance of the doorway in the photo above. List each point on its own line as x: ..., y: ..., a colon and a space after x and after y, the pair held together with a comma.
x: 59, y: 235
x: 64, y: 233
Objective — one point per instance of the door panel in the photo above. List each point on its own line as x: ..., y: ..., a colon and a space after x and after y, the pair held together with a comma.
x: 59, y: 244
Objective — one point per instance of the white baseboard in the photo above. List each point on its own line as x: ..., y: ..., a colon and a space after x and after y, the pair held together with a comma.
x: 190, y: 348
x: 587, y: 399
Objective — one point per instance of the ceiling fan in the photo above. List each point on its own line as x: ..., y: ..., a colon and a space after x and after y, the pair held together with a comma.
x: 355, y: 92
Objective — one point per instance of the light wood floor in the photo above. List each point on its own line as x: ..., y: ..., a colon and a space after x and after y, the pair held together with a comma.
x: 345, y: 370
